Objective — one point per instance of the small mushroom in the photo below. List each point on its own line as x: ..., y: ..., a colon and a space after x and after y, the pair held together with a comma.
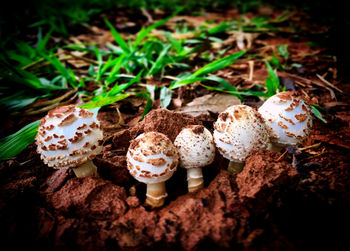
x: 239, y: 131
x: 70, y: 137
x: 288, y: 119
x: 152, y: 159
x: 196, y: 148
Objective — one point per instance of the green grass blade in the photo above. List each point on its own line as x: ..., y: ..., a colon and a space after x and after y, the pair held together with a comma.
x: 117, y: 66
x: 118, y: 38
x: 211, y: 67
x: 18, y: 100
x: 41, y: 45
x: 272, y: 82
x: 160, y: 62
x: 145, y: 31
x: 165, y: 96
x: 149, y: 104
x: 15, y: 143
x: 105, y: 101
x: 99, y: 60
x: 113, y: 95
x: 121, y: 88
x: 218, y: 64
x: 66, y: 72
x: 317, y: 113
x: 282, y: 50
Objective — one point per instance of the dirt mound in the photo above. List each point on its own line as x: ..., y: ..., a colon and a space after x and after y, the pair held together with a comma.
x: 267, y: 205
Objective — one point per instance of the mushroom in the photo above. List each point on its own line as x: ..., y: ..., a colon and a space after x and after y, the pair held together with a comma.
x: 152, y: 159
x: 239, y: 131
x: 288, y: 119
x: 70, y: 137
x: 196, y: 148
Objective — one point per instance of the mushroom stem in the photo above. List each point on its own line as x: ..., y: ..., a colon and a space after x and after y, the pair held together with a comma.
x: 235, y: 167
x: 86, y: 169
x: 274, y: 147
x: 194, y: 179
x: 156, y: 194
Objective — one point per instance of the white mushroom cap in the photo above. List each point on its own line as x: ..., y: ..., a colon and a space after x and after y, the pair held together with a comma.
x: 287, y: 117
x: 196, y: 147
x: 69, y: 136
x: 152, y: 158
x: 239, y: 131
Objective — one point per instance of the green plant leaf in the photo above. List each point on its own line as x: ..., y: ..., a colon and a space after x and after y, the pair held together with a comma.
x: 211, y: 67
x: 145, y: 31
x: 317, y: 113
x: 160, y: 63
x: 282, y: 50
x: 105, y: 101
x: 165, y: 96
x: 118, y: 38
x: 112, y: 96
x: 41, y: 45
x: 272, y: 82
x: 65, y: 71
x: 145, y: 94
x: 218, y: 64
x: 15, y: 143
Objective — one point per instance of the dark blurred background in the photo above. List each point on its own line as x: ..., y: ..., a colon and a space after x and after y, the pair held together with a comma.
x: 17, y: 17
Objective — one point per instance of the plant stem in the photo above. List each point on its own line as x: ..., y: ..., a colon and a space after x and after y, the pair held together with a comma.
x: 235, y: 167
x: 156, y: 194
x: 194, y: 179
x: 274, y: 147
x: 86, y: 169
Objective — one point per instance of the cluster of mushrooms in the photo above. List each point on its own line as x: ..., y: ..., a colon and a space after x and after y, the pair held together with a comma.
x: 70, y: 137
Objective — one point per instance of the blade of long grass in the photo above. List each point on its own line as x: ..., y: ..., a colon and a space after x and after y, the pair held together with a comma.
x: 113, y: 95
x: 105, y: 101
x: 159, y: 63
x: 211, y: 67
x: 315, y: 111
x: 65, y: 71
x: 145, y: 31
x: 118, y: 38
x: 41, y: 45
x: 15, y: 143
x: 117, y: 66
x: 218, y: 64
x: 121, y: 88
x: 165, y: 96
x: 272, y: 82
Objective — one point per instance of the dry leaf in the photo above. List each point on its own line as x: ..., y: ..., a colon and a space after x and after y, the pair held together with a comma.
x: 213, y: 103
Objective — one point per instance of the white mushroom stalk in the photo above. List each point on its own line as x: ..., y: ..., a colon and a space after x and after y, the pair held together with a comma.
x: 288, y: 119
x: 239, y: 131
x: 152, y: 159
x: 70, y: 137
x: 196, y: 148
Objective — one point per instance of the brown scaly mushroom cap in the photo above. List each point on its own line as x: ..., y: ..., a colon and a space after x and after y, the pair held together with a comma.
x: 152, y: 158
x: 196, y: 146
x: 68, y: 137
x: 287, y: 117
x: 239, y: 131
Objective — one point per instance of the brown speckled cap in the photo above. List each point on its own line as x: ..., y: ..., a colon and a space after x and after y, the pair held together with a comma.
x: 68, y: 136
x: 152, y: 158
x: 287, y: 117
x: 196, y: 146
x: 239, y: 131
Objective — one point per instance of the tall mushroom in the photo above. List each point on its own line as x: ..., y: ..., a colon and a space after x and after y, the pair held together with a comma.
x: 70, y: 137
x: 288, y: 119
x: 239, y: 131
x: 196, y: 148
x: 152, y: 159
